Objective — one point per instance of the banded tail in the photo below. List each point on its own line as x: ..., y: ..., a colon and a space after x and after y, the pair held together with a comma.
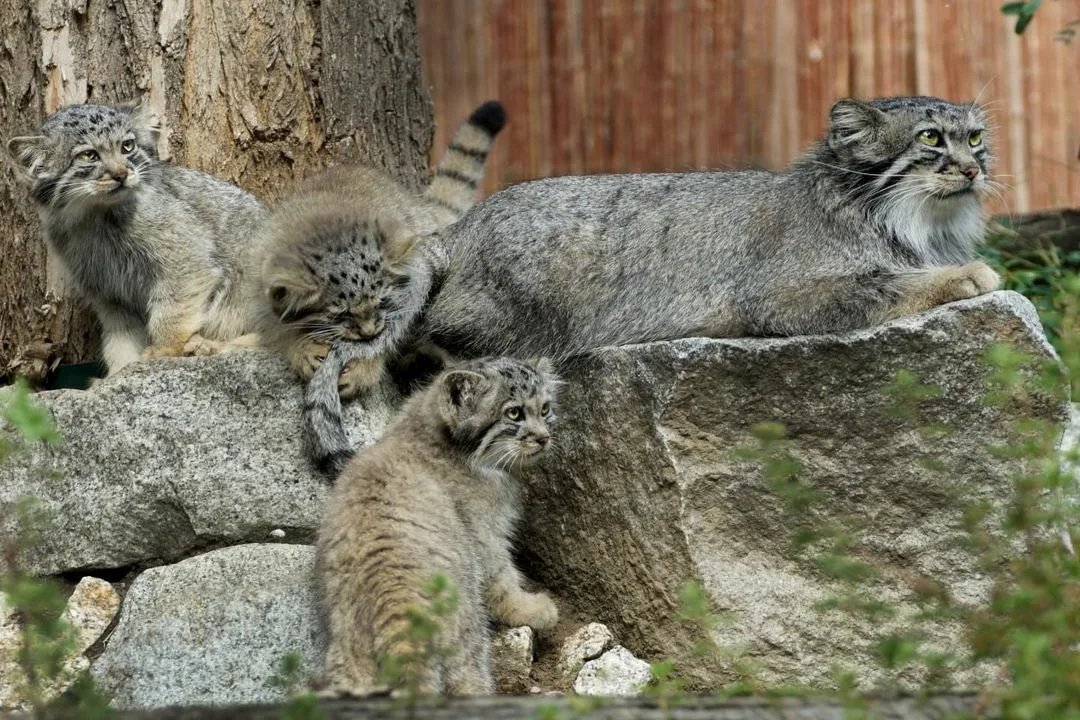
x: 461, y: 167
x: 322, y: 421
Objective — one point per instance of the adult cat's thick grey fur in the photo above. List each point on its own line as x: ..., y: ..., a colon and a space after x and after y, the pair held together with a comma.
x: 877, y: 220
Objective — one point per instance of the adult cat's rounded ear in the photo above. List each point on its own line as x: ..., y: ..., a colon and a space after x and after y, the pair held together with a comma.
x: 852, y: 121
x: 30, y: 154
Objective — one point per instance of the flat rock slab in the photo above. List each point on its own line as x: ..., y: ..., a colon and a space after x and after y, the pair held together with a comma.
x: 646, y: 491
x: 176, y: 454
x: 212, y: 629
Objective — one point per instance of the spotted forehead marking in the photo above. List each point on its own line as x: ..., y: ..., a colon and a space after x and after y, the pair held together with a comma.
x: 350, y: 260
x: 83, y: 122
x: 520, y: 379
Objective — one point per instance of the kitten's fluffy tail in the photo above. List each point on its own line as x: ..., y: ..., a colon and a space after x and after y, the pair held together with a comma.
x: 462, y: 165
x: 322, y: 421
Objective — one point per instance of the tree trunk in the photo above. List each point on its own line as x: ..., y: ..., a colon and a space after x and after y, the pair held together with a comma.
x: 260, y: 94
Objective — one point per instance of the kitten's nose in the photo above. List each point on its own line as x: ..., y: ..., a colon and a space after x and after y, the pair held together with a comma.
x: 542, y: 440
x: 970, y: 172
x: 119, y: 173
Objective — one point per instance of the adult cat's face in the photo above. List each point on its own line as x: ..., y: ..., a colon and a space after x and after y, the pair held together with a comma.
x: 913, y: 148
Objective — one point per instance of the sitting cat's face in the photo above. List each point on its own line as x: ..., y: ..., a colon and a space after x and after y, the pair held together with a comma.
x: 914, y: 148
x: 500, y: 410
x: 336, y: 283
x: 87, y: 155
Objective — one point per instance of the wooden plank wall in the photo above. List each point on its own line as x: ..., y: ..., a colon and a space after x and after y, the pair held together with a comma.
x: 647, y: 85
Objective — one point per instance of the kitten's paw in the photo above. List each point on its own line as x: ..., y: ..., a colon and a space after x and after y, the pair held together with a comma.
x: 358, y: 376
x: 309, y: 358
x: 972, y: 280
x: 536, y: 610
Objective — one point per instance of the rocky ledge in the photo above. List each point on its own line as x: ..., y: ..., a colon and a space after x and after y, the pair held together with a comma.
x: 178, y: 459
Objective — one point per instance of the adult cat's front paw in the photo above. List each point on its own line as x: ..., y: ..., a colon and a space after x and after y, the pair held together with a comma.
x: 974, y: 279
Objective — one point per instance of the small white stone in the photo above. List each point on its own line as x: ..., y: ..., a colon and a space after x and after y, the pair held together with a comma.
x: 277, y: 533
x: 535, y: 690
x: 586, y: 643
x: 616, y: 672
x: 511, y: 659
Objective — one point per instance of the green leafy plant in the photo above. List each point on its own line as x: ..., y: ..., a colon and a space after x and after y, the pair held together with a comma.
x: 293, y: 680
x: 47, y: 641
x: 1024, y: 12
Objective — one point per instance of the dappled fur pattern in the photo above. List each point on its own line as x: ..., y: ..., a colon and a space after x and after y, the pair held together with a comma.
x: 870, y: 224
x: 155, y: 248
x: 436, y: 495
x: 337, y: 247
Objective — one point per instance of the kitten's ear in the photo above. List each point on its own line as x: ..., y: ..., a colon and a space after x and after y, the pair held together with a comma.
x: 146, y: 121
x: 287, y: 300
x: 543, y: 366
x: 398, y: 240
x: 30, y: 153
x: 852, y: 122
x: 460, y: 392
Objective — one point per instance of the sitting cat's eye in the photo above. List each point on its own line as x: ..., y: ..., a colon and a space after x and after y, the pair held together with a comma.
x: 385, y: 304
x: 545, y: 409
x: 87, y: 156
x: 514, y: 413
x: 127, y: 146
x: 930, y: 137
x: 975, y: 138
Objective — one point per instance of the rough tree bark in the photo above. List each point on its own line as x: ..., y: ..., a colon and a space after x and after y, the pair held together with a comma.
x: 261, y: 94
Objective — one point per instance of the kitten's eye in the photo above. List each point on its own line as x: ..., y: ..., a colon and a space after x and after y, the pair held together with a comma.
x: 975, y: 138
x: 87, y: 156
x: 514, y: 413
x: 545, y: 409
x: 385, y: 304
x: 127, y: 146
x: 930, y: 137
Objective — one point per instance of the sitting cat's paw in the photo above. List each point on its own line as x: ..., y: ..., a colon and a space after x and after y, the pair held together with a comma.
x: 536, y: 610
x: 201, y: 347
x: 160, y: 351
x: 971, y: 280
x: 358, y: 376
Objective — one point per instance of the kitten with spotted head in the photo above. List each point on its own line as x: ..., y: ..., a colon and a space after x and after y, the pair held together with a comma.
x: 344, y: 240
x: 150, y: 245
x: 877, y: 220
x: 436, y: 495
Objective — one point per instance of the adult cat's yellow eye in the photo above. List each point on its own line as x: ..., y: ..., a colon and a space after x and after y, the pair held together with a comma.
x: 513, y: 413
x: 87, y: 156
x: 930, y: 137
x: 127, y: 146
x: 975, y: 138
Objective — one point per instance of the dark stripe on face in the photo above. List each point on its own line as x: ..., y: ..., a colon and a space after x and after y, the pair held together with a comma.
x: 45, y: 192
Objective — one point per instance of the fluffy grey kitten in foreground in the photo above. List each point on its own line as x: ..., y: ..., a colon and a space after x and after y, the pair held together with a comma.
x: 436, y: 495
x: 877, y: 220
x: 157, y: 249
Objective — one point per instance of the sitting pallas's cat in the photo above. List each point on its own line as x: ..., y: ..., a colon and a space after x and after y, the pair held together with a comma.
x: 334, y: 249
x: 150, y: 245
x: 877, y: 220
x: 435, y: 496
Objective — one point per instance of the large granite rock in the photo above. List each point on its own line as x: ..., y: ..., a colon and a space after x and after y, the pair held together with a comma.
x: 176, y: 454
x: 212, y: 629
x: 646, y: 492
x: 643, y: 494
